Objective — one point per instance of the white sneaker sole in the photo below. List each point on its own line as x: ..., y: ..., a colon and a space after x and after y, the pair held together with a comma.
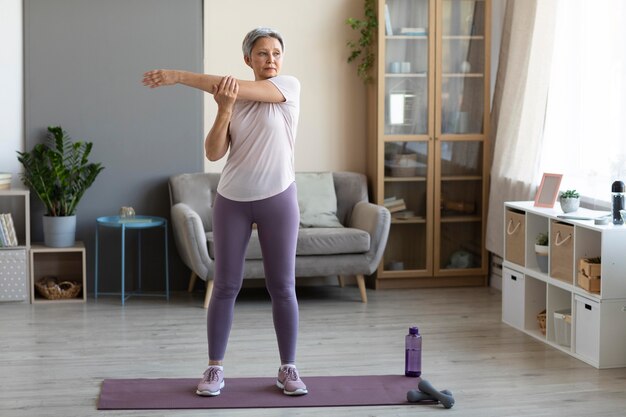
x: 299, y: 391
x: 210, y: 393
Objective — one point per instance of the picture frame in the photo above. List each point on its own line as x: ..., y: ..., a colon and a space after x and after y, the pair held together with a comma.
x: 548, y: 190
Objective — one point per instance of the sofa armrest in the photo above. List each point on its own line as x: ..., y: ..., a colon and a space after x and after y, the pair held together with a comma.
x: 190, y: 239
x: 375, y: 220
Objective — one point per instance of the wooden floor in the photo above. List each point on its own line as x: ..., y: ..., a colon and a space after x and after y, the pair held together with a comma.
x: 53, y: 358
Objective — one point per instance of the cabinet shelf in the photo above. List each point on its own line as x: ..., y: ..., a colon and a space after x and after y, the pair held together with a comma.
x: 460, y: 219
x: 406, y: 75
x: 405, y: 179
x: 598, y: 323
x: 462, y: 178
x: 405, y: 37
x: 463, y: 75
x: 463, y: 37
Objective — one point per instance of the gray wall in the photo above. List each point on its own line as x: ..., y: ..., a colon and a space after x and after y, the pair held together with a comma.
x: 84, y: 61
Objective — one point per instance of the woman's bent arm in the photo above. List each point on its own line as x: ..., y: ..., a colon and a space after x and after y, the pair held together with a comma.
x: 218, y: 140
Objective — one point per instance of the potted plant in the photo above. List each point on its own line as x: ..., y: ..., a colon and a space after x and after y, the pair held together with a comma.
x: 59, y: 173
x: 364, y: 47
x: 570, y: 201
x: 541, y: 250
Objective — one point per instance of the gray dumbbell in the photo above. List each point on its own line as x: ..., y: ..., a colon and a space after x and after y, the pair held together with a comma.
x: 446, y: 400
x: 415, y: 396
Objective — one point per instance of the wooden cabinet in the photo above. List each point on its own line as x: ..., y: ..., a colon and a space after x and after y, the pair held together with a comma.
x: 13, y: 260
x: 596, y: 330
x: 428, y: 132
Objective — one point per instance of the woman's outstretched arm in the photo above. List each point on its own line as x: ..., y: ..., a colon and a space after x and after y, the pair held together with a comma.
x: 248, y: 90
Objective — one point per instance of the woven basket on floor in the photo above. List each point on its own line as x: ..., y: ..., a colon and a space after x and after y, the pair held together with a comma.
x: 541, y: 318
x: 49, y: 288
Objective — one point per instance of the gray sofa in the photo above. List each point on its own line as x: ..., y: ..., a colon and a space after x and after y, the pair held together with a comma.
x: 355, y: 249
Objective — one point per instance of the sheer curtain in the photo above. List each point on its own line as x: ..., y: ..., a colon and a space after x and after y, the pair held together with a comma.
x: 519, y: 108
x: 585, y: 128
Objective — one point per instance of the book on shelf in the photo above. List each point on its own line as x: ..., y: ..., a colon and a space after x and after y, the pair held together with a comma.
x: 388, y: 28
x: 394, y: 204
x: 8, y: 237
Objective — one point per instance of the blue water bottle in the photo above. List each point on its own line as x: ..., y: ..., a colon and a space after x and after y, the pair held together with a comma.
x: 413, y: 353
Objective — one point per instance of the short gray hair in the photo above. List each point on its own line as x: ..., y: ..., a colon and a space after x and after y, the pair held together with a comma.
x: 256, y: 34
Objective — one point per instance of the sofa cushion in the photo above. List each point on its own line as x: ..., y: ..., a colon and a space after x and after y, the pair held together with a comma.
x: 313, y: 241
x: 317, y: 199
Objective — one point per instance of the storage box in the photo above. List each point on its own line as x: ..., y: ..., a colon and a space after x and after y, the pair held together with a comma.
x: 587, y: 336
x: 591, y: 284
x: 515, y: 230
x: 13, y: 277
x: 589, y: 269
x: 562, y: 251
x: 563, y: 327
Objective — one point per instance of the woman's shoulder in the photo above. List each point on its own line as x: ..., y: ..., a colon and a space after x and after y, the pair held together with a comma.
x: 286, y: 81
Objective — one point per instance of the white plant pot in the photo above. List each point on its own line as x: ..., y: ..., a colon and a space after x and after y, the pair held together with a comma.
x: 542, y: 257
x: 59, y: 231
x: 569, y: 205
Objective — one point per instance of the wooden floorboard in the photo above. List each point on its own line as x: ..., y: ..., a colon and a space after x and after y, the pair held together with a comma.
x: 53, y: 357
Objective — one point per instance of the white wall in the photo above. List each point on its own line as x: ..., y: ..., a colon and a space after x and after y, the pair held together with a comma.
x: 11, y: 82
x: 331, y: 134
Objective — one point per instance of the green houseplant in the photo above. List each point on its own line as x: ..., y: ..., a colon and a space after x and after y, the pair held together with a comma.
x: 59, y: 172
x: 364, y: 47
x: 569, y: 200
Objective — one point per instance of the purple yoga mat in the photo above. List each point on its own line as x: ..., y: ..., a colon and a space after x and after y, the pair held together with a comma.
x: 324, y: 391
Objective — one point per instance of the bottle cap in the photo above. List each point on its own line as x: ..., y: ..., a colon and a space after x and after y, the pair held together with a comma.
x: 413, y: 330
x: 617, y: 187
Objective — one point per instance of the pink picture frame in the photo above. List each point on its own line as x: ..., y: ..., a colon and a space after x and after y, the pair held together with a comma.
x: 548, y: 190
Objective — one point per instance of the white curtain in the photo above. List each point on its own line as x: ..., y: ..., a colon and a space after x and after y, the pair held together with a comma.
x: 519, y: 105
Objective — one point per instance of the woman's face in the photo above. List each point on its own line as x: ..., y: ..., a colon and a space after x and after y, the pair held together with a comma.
x: 266, y: 58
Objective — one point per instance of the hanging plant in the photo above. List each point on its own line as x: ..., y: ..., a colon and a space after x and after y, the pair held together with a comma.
x: 364, y: 47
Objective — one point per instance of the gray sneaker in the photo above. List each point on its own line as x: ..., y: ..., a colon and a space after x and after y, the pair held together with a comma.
x: 289, y: 381
x: 212, y: 382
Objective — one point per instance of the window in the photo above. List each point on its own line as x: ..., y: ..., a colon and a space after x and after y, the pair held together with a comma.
x: 585, y: 125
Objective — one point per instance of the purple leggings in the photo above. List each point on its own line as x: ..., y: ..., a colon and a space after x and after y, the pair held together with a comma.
x: 277, y: 220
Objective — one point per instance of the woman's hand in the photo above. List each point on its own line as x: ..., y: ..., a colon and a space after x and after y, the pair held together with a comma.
x: 160, y: 77
x: 225, y: 93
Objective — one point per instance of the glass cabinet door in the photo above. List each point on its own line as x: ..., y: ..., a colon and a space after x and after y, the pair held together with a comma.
x: 406, y: 73
x: 406, y: 197
x: 460, y: 210
x: 461, y: 53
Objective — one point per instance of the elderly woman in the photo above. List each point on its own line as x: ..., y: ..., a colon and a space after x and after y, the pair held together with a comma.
x: 257, y: 120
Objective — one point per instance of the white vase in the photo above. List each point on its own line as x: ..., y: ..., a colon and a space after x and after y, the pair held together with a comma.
x: 542, y: 257
x: 59, y: 231
x: 569, y: 204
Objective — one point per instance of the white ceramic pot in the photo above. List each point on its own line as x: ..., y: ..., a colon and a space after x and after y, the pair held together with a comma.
x: 569, y: 205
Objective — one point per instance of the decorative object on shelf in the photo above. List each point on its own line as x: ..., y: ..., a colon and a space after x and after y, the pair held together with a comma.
x: 466, y: 67
x: 548, y: 190
x: 127, y: 213
x: 394, y: 266
x: 50, y: 288
x: 460, y: 260
x: 541, y: 319
x: 364, y: 47
x: 570, y: 201
x: 589, y: 274
x: 5, y: 180
x: 541, y: 250
x: 59, y: 173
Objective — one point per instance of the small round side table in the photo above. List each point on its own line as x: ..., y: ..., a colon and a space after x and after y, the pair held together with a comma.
x: 139, y: 223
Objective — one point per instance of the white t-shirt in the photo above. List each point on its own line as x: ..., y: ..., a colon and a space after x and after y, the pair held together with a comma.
x: 262, y: 138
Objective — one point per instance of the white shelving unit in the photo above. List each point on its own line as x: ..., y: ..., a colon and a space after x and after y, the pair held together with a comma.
x: 598, y: 325
x: 14, y: 260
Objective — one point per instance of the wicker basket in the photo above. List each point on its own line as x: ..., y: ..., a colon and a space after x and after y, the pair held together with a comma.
x: 541, y: 318
x: 50, y: 288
